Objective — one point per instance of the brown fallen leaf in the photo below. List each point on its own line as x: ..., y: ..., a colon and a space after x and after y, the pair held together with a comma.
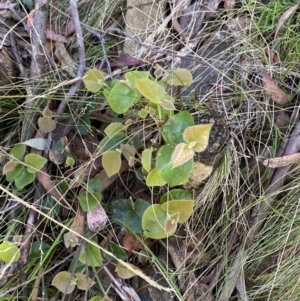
x: 284, y: 17
x: 70, y: 238
x: 271, y: 88
x: 130, y: 243
x: 281, y: 161
x: 229, y: 4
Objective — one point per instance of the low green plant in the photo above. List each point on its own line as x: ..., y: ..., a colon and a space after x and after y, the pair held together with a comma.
x: 166, y: 155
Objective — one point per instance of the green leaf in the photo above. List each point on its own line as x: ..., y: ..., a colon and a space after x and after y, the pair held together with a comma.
x: 91, y: 256
x: 64, y: 282
x: 93, y: 80
x: 150, y: 89
x: 121, y: 98
x: 153, y: 222
x: 183, y: 207
x: 176, y: 194
x: 143, y: 113
x: 117, y: 250
x: 46, y: 124
x: 198, y: 135
x: 112, y: 143
x: 111, y: 161
x: 114, y: 129
x: 83, y: 282
x: 24, y: 178
x: 164, y: 164
x: 83, y: 126
x: 70, y: 161
x: 180, y: 77
x: 11, y: 175
x: 175, y: 126
x: 147, y: 159
x: 94, y: 185
x: 124, y: 273
x: 18, y: 151
x: 35, y: 162
x: 129, y: 214
x: 155, y: 179
x: 88, y: 200
x: 98, y: 298
x: 38, y: 249
x: 182, y: 153
x: 131, y: 76
x: 9, y: 252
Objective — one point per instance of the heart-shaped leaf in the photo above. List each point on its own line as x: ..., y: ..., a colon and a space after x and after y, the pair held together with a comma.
x: 180, y: 77
x: 164, y: 164
x: 89, y: 200
x: 198, y: 135
x: 35, y: 162
x: 64, y: 282
x: 175, y: 126
x: 46, y: 124
x: 24, y: 178
x: 121, y: 98
x: 155, y: 179
x: 150, y: 89
x: 111, y: 161
x: 93, y: 80
x: 183, y: 207
x: 176, y: 194
x: 18, y: 151
x: 182, y: 154
x: 114, y: 129
x: 14, y: 173
x: 124, y: 273
x: 91, y: 255
x: 9, y: 252
x: 84, y: 282
x: 153, y: 222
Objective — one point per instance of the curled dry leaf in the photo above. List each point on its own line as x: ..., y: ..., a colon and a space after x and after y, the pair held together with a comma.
x: 276, y: 94
x: 96, y: 218
x: 281, y: 161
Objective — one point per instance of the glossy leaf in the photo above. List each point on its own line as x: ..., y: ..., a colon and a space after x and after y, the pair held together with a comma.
x: 164, y: 164
x: 83, y: 282
x: 124, y: 273
x: 113, y: 129
x: 155, y: 179
x: 176, y: 194
x: 9, y: 252
x: 89, y: 200
x: 183, y: 207
x: 18, y: 151
x: 150, y: 89
x: 93, y: 80
x: 111, y: 162
x: 46, y: 124
x: 64, y: 282
x: 91, y: 256
x: 129, y: 214
x: 153, y: 222
x: 24, y: 178
x: 182, y: 154
x: 121, y: 98
x: 199, y: 135
x: 147, y: 159
x: 180, y: 77
x: 35, y: 162
x: 175, y: 126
